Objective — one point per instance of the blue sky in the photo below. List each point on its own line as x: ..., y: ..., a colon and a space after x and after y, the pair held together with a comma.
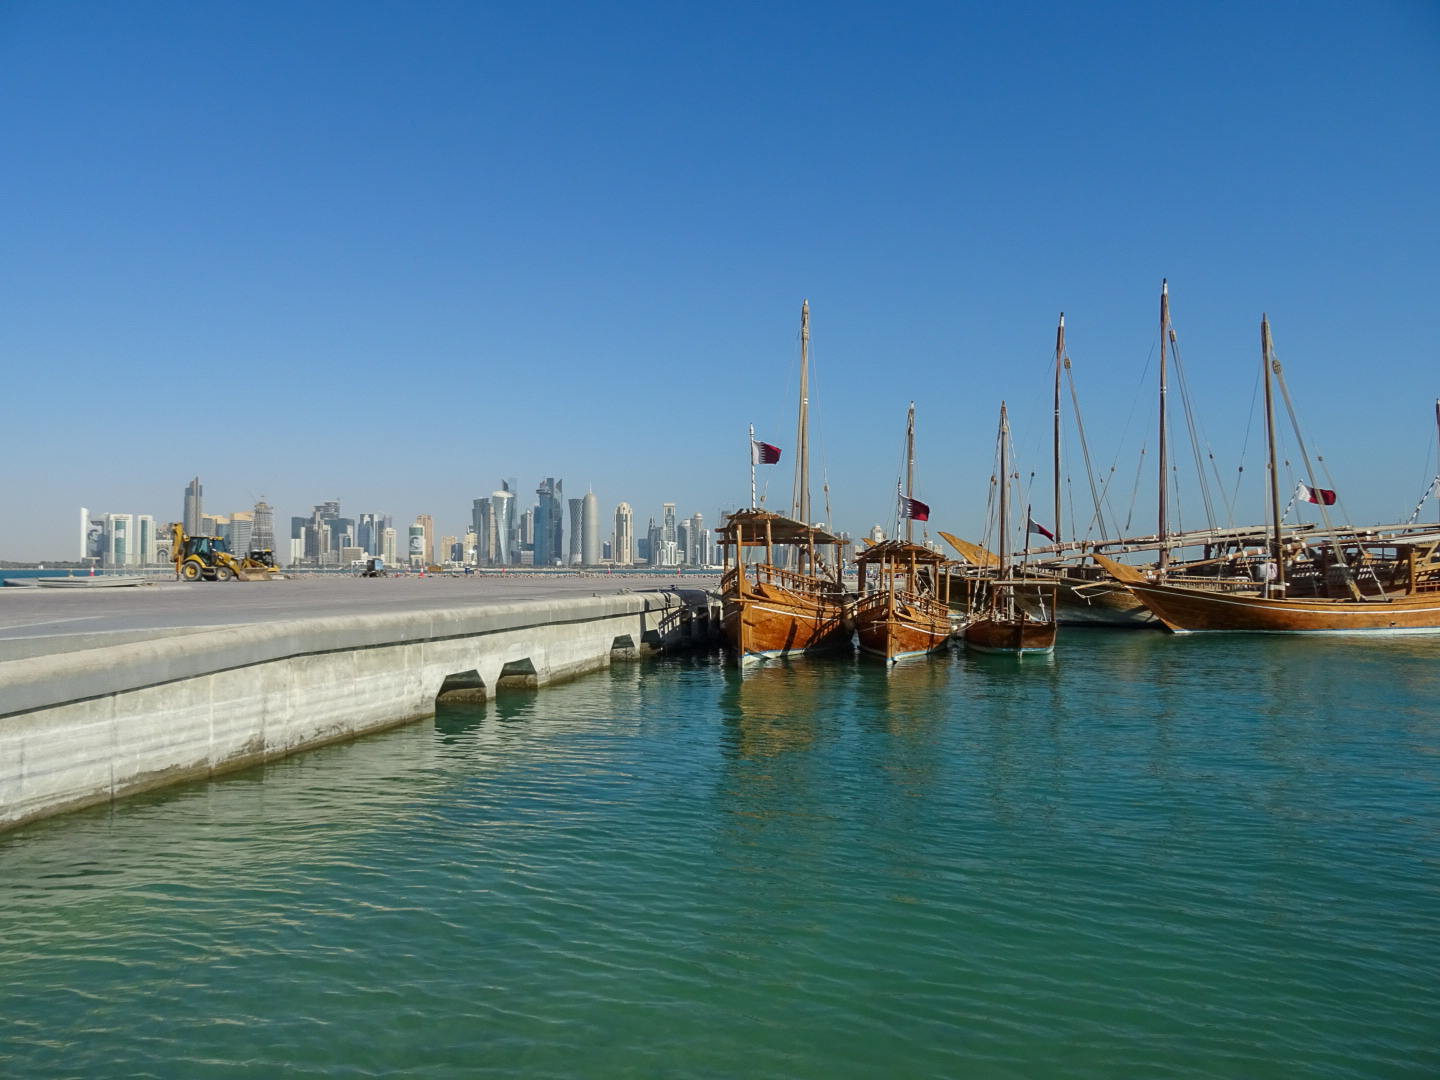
x: 393, y: 253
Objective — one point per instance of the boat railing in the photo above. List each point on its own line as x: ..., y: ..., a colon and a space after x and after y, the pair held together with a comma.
x: 765, y: 574
x: 927, y: 606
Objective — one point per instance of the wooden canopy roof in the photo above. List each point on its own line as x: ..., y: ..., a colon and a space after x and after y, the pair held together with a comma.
x: 783, y: 530
x: 899, y: 551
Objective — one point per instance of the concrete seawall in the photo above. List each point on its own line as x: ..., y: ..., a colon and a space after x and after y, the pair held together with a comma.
x: 84, y: 727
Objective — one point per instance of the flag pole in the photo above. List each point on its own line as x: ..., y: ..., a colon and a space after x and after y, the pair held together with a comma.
x: 752, y: 466
x: 1029, y: 517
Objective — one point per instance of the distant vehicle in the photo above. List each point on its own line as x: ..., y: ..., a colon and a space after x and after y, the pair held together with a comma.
x: 371, y: 567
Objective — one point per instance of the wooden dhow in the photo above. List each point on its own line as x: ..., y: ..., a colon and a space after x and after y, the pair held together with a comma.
x: 792, y: 599
x: 907, y: 611
x: 770, y: 610
x: 1409, y: 602
x: 1002, y: 623
x: 1381, y: 585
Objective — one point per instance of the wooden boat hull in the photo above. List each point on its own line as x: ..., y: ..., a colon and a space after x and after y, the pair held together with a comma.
x: 908, y: 632
x: 1098, y: 603
x: 1014, y: 636
x: 1197, y: 611
x: 772, y: 621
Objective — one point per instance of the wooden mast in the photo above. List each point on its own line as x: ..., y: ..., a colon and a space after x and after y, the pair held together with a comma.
x: 802, y: 473
x: 1164, y: 455
x: 1059, y: 358
x: 910, y: 475
x: 1276, y: 550
x: 1004, y: 494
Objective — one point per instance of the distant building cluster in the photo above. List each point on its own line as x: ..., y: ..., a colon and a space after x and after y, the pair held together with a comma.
x: 553, y: 532
x: 326, y: 538
x: 503, y: 535
x: 118, y: 540
x: 121, y: 540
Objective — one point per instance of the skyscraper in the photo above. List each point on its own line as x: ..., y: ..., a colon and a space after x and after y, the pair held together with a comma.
x: 577, y: 529
x: 84, y: 533
x: 624, y: 549
x: 502, y: 509
x: 590, y: 525
x: 194, y: 510
x: 240, y: 533
x: 262, y: 538
x: 146, y: 542
x: 426, y: 522
x: 417, y: 545
x: 549, y: 523
x: 667, y: 526
x: 695, y: 551
x: 368, y: 528
x: 119, y: 549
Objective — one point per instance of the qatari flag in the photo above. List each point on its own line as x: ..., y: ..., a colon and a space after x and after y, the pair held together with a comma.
x: 1317, y: 495
x: 1033, y: 526
x: 762, y: 453
x: 915, y: 509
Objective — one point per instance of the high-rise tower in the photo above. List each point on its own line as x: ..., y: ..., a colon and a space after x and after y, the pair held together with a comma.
x: 590, y: 543
x: 577, y: 529
x: 624, y: 550
x: 262, y: 535
x: 194, y: 510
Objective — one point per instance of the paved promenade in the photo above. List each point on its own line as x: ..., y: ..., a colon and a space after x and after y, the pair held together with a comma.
x: 39, y: 622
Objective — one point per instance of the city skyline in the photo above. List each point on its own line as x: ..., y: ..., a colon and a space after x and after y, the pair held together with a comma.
x: 583, y: 239
x: 327, y: 538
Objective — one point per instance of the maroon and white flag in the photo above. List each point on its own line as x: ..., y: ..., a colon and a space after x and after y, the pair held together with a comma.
x: 914, y: 509
x: 1033, y: 526
x: 1317, y: 495
x: 762, y: 453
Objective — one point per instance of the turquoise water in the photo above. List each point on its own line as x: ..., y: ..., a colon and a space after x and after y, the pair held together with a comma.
x: 1151, y: 857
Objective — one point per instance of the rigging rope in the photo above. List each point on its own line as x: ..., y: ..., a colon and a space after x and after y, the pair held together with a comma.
x: 1089, y: 472
x: 1415, y: 515
x: 1304, y: 453
x: 1245, y: 446
x: 1195, y: 435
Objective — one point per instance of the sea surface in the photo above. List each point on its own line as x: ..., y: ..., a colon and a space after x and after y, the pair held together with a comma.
x: 1153, y: 856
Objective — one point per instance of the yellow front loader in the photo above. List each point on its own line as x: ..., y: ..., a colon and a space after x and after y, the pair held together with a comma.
x: 206, y: 558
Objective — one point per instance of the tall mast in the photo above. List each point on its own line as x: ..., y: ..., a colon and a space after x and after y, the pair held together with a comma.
x: 1164, y: 456
x: 910, y: 473
x: 1276, y: 549
x: 1004, y: 493
x: 802, y: 467
x: 1059, y: 359
x: 1437, y: 444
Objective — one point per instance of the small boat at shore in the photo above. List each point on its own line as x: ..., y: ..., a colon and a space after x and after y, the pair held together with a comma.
x: 1001, y: 623
x: 907, y: 612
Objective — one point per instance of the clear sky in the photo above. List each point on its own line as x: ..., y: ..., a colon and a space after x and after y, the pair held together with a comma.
x: 391, y: 253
